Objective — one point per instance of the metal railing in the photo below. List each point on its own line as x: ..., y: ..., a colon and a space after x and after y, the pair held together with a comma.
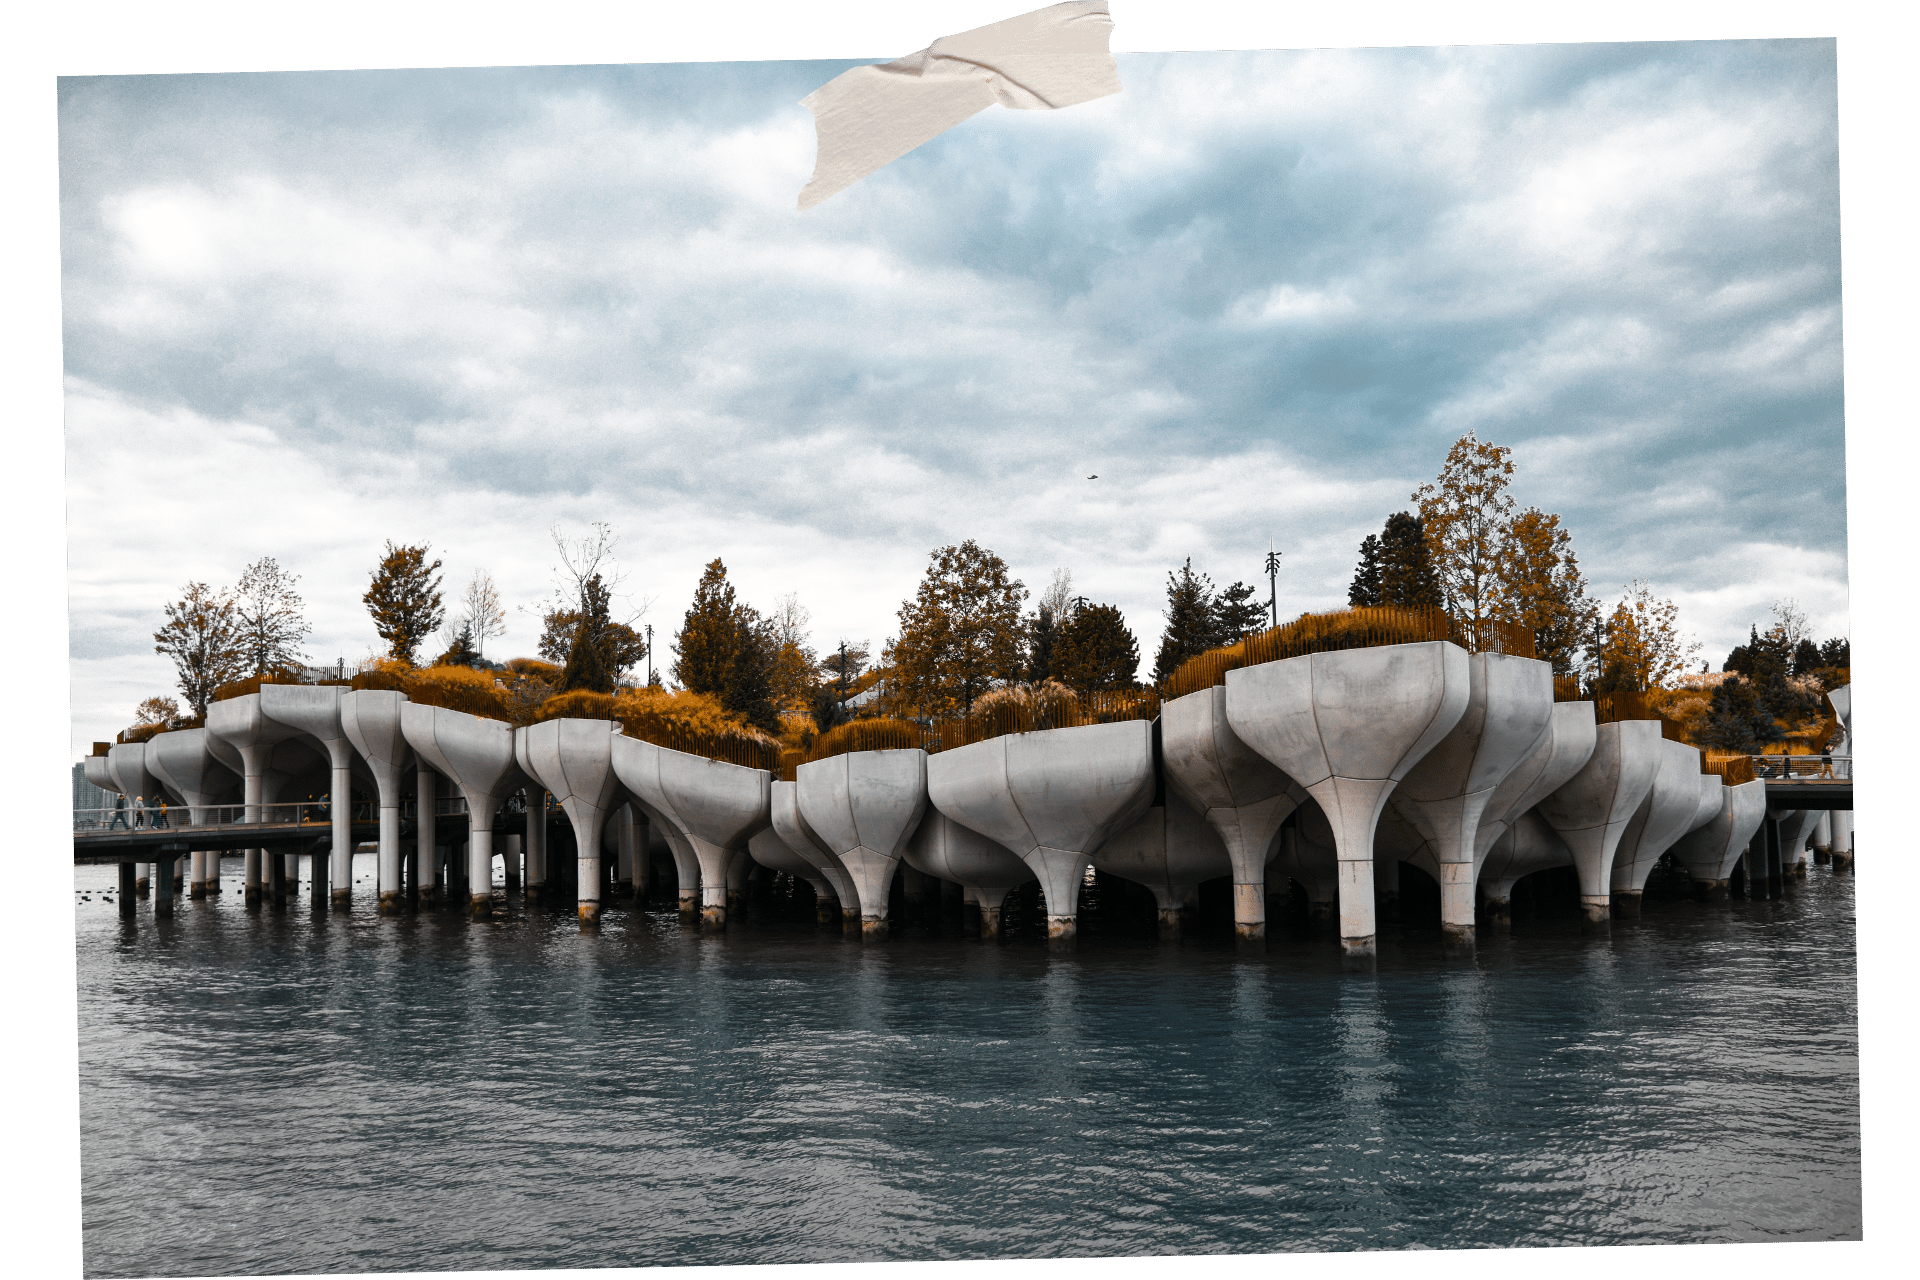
x: 1803, y: 768
x: 302, y: 813
x: 172, y: 817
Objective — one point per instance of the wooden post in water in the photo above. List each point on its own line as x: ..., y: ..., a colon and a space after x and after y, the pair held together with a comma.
x: 129, y: 874
x: 163, y: 888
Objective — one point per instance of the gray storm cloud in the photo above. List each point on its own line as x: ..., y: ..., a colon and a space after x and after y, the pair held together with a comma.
x: 1257, y: 293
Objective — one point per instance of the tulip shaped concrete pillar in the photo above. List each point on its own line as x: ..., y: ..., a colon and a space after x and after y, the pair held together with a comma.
x: 1240, y: 793
x: 1562, y: 751
x: 574, y: 760
x: 537, y: 803
x: 1348, y: 726
x: 370, y: 719
x: 1842, y: 841
x: 1713, y: 849
x: 1823, y: 840
x: 770, y: 851
x: 865, y: 806
x: 804, y: 841
x: 181, y: 760
x: 1053, y: 797
x: 716, y: 806
x: 686, y: 870
x: 1526, y: 844
x: 478, y: 755
x: 1794, y: 850
x: 1592, y: 809
x: 985, y: 868
x: 241, y: 722
x: 314, y: 710
x: 1509, y: 709
x: 1669, y: 812
x: 1170, y: 850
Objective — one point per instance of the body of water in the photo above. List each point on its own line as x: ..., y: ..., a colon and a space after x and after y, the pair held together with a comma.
x: 306, y: 1092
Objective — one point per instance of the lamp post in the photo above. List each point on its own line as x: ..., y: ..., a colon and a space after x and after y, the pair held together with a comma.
x: 1273, y: 584
x: 649, y: 654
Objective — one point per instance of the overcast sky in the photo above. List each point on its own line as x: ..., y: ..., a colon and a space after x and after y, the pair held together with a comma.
x: 1258, y: 294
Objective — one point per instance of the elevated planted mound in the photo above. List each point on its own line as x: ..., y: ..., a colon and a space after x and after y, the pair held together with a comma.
x: 1365, y: 628
x: 678, y: 721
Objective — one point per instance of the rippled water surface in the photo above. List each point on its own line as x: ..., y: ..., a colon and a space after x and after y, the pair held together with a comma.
x: 339, y: 1092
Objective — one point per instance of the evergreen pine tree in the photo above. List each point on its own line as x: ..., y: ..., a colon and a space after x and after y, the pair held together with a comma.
x: 1095, y: 652
x: 1364, y: 593
x: 1041, y: 633
x: 705, y: 645
x: 1236, y: 614
x: 1191, y: 622
x: 1407, y: 576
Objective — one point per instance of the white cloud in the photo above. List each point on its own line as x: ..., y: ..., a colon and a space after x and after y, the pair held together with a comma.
x: 1257, y: 294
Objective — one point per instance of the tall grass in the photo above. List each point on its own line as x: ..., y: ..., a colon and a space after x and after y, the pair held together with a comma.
x: 1363, y: 628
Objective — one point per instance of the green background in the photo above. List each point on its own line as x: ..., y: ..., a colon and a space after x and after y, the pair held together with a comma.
x: 41, y: 1190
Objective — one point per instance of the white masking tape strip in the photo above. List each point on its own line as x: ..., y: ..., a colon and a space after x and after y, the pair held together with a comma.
x: 1040, y: 61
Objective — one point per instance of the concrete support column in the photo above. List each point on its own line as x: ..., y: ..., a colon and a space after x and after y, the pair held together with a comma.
x: 536, y: 843
x: 642, y: 854
x: 319, y: 863
x: 739, y: 867
x: 196, y: 875
x: 1842, y: 841
x: 990, y: 902
x: 1457, y: 916
x: 213, y: 864
x: 1753, y: 864
x: 1386, y: 885
x: 253, y: 796
x: 1625, y: 904
x: 590, y: 872
x: 388, y: 860
x: 969, y: 911
x: 291, y: 875
x: 277, y: 881
x: 480, y: 865
x: 1169, y: 899
x: 250, y: 884
x: 1823, y: 840
x: 129, y: 895
x: 510, y: 856
x: 426, y: 789
x: 340, y: 818
x: 1498, y: 907
x: 625, y: 875
x: 1358, y: 925
x: 1775, y: 888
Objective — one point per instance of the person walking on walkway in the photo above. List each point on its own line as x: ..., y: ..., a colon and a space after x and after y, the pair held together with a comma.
x: 160, y: 816
x: 119, y: 813
x: 139, y: 812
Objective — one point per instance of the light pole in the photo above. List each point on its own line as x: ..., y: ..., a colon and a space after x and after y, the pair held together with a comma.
x: 1273, y: 584
x: 649, y: 655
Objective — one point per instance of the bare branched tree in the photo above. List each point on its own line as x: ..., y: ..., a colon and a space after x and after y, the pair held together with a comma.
x: 271, y: 615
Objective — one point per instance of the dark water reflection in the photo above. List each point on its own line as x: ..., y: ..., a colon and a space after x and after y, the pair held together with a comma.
x: 343, y: 1093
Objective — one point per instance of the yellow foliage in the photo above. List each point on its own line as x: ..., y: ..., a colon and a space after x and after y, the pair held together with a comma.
x: 458, y: 689
x: 1361, y: 628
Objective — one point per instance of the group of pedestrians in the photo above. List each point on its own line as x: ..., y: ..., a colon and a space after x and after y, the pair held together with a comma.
x: 142, y: 815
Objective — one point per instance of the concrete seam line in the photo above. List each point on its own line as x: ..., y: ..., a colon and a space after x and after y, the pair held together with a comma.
x: 867, y: 118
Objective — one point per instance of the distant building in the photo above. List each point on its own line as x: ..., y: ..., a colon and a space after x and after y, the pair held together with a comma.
x: 85, y: 794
